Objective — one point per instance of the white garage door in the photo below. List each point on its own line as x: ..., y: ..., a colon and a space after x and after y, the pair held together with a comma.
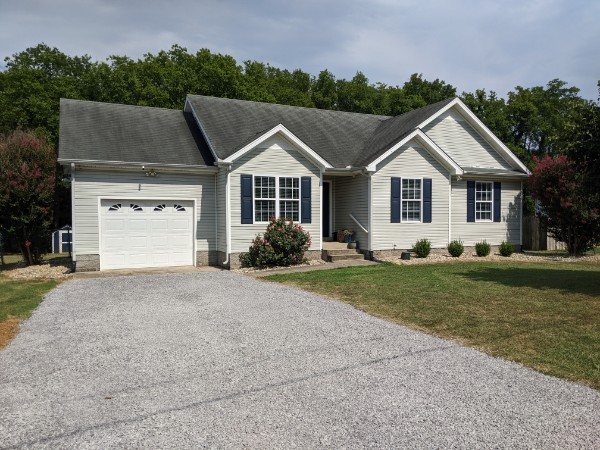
x: 146, y: 233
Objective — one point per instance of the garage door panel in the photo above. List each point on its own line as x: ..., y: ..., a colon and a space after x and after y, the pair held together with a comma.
x: 159, y: 224
x: 111, y: 225
x: 114, y: 244
x: 146, y: 238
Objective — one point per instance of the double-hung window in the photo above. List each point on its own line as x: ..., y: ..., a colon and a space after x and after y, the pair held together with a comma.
x: 411, y: 199
x: 276, y: 197
x: 483, y: 201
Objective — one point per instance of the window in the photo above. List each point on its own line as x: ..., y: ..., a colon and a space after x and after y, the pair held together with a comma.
x: 483, y: 201
x: 115, y: 207
x: 135, y: 207
x: 160, y: 207
x: 276, y: 197
x: 289, y: 198
x: 411, y: 199
x: 177, y: 207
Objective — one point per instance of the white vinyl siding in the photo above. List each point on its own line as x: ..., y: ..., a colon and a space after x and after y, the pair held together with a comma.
x: 410, y: 161
x: 274, y: 157
x: 93, y: 184
x: 453, y: 134
x: 351, y: 197
x: 493, y: 232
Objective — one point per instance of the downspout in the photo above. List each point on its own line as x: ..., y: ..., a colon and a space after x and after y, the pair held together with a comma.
x: 73, y: 255
x: 521, y: 219
x: 227, y: 217
x: 321, y: 209
x: 370, y: 213
x: 449, y: 207
x: 216, y: 218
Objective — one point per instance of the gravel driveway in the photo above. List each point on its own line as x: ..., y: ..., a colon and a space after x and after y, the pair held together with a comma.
x: 222, y: 360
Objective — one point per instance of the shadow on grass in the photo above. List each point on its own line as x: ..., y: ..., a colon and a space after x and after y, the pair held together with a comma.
x: 586, y: 282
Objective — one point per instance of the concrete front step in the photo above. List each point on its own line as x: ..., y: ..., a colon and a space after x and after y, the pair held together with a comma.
x: 332, y: 257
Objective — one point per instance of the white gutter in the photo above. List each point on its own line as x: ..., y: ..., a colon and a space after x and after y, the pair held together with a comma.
x: 125, y: 165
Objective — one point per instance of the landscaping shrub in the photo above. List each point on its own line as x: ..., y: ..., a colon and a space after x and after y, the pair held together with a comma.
x: 456, y: 248
x: 506, y: 248
x: 422, y: 248
x: 482, y: 248
x: 283, y: 244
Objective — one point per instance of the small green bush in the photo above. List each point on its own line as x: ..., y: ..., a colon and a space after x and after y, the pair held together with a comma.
x: 456, y: 248
x: 283, y: 244
x: 422, y: 248
x: 482, y: 248
x: 506, y: 248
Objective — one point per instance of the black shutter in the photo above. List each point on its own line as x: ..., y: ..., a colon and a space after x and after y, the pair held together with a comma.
x: 497, y: 191
x: 306, y: 202
x: 396, y: 183
x: 246, y: 198
x: 470, y: 201
x: 426, y: 200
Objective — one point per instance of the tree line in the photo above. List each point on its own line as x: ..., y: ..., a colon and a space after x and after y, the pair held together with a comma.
x: 532, y: 121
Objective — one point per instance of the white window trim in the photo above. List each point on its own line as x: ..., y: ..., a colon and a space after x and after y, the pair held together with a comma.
x: 277, y: 198
x: 491, y: 202
x: 402, y: 200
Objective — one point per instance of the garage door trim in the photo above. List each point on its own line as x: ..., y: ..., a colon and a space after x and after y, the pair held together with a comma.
x: 148, y: 198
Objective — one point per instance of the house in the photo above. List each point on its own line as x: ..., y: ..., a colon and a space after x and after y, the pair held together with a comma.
x: 155, y: 187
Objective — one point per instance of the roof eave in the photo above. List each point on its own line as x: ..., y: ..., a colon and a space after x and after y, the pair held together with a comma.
x: 129, y: 165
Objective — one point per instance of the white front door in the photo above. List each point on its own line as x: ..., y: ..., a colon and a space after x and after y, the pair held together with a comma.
x: 146, y: 233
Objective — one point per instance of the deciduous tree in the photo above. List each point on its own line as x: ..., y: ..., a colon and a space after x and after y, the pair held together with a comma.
x: 27, y: 181
x: 567, y: 212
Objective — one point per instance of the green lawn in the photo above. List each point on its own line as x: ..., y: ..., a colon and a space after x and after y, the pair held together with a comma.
x: 18, y: 298
x: 543, y: 315
x: 12, y: 259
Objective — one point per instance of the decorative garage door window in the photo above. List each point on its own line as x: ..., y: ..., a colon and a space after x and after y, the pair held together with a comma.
x: 115, y: 207
x: 178, y: 207
x: 135, y: 207
x: 160, y: 207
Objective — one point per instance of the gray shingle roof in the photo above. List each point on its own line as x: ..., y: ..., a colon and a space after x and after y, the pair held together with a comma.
x: 111, y: 132
x: 341, y: 138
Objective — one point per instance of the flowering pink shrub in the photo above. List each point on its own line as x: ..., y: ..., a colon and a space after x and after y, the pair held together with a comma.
x: 283, y: 244
x: 569, y: 214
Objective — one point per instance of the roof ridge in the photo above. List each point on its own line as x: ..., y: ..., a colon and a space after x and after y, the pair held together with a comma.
x: 120, y: 104
x: 308, y: 108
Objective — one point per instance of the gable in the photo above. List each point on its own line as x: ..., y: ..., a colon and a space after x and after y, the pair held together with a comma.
x: 276, y: 155
x: 456, y: 137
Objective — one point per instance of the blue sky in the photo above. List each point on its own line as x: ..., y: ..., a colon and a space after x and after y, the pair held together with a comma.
x: 470, y: 44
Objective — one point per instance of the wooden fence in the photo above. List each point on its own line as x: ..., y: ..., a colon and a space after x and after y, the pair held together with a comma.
x: 535, y: 237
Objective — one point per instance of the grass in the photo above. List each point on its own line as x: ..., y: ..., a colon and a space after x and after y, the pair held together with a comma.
x: 18, y: 298
x: 542, y: 315
x: 13, y: 259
